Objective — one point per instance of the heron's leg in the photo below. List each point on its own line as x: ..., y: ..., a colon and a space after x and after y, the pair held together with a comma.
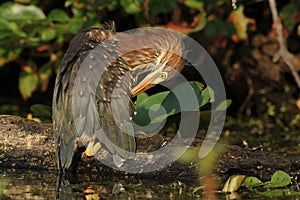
x: 75, y: 161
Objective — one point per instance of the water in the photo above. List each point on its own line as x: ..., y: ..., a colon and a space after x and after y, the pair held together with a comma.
x: 20, y: 184
x: 25, y: 185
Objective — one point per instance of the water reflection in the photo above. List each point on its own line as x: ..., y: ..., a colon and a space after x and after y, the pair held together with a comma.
x: 20, y: 184
x: 17, y: 184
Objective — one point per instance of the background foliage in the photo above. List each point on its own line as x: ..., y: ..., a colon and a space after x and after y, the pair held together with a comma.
x: 34, y: 34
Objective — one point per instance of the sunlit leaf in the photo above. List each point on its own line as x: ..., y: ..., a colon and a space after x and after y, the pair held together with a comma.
x: 9, y: 29
x: 48, y: 34
x: 224, y: 104
x: 207, y: 95
x: 194, y: 4
x: 14, y: 11
x: 8, y: 55
x: 252, y: 181
x: 201, y: 24
x: 233, y: 183
x: 240, y: 22
x: 279, y: 179
x: 28, y: 82
x: 140, y: 98
x: 75, y: 25
x: 58, y: 15
x: 131, y: 6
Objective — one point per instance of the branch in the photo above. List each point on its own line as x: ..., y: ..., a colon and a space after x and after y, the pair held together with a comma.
x: 284, y: 53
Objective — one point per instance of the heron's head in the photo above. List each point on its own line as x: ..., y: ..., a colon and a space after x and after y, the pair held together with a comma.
x: 163, y: 69
x: 154, y: 56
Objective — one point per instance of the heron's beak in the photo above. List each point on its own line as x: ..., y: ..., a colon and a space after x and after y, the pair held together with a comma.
x: 149, y: 81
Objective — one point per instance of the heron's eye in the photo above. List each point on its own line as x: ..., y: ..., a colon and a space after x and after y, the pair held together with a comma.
x: 163, y: 75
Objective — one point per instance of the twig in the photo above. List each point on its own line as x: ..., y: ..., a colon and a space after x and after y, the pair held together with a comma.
x: 285, y: 54
x: 248, y: 97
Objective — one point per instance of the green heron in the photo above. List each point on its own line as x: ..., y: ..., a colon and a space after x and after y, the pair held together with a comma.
x: 147, y: 67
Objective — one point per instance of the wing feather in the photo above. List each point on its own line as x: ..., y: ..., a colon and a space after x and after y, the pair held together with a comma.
x: 99, y: 105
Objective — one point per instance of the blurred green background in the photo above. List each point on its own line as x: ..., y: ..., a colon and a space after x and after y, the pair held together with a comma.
x: 34, y: 35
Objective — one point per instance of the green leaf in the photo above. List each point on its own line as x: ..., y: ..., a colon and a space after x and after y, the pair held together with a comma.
x: 131, y: 6
x: 75, y: 25
x: 9, y: 29
x: 202, y: 22
x: 144, y: 108
x: 278, y: 192
x: 28, y: 82
x: 14, y: 12
x: 157, y: 6
x: 4, y: 25
x: 48, y: 34
x: 8, y: 55
x: 140, y: 98
x: 69, y: 3
x: 289, y: 15
x: 196, y: 4
x: 41, y: 110
x: 224, y: 104
x: 252, y: 181
x: 279, y: 179
x: 217, y: 27
x: 158, y: 107
x: 58, y: 15
x: 45, y: 72
x: 240, y: 22
x: 207, y: 95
